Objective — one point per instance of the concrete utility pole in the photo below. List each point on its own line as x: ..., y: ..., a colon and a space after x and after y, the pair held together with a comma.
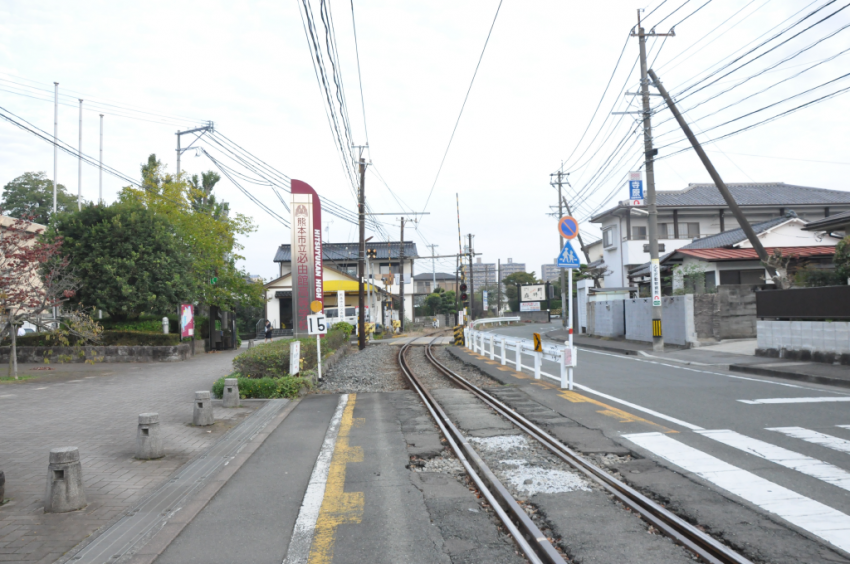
x: 561, y: 246
x: 433, y: 268
x: 361, y: 257
x: 459, y: 262
x: 499, y: 287
x: 55, y: 145
x: 649, y: 153
x: 100, y: 166
x: 471, y: 281
x: 401, y: 275
x: 80, y: 162
x: 715, y: 176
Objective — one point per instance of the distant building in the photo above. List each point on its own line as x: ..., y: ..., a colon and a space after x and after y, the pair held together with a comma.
x: 511, y: 267
x: 550, y: 272
x: 254, y: 278
x: 483, y: 274
x: 424, y: 283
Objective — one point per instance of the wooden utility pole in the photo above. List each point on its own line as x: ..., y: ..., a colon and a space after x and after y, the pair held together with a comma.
x: 471, y: 281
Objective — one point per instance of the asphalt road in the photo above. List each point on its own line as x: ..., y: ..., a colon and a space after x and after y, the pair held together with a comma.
x: 729, y: 431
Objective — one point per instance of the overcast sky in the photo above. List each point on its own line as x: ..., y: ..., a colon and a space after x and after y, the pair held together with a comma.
x: 246, y: 66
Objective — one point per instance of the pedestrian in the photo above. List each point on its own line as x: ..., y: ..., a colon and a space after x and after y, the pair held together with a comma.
x: 268, y: 338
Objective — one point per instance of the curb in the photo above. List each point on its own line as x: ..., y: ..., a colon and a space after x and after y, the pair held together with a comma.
x: 825, y: 380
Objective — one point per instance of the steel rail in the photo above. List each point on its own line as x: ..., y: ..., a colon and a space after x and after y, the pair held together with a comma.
x: 532, y: 542
x: 701, y: 544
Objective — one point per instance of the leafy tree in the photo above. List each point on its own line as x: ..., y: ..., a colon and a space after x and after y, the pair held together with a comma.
x: 441, y: 302
x: 207, y: 229
x: 512, y: 283
x: 842, y: 259
x: 30, y: 197
x: 130, y: 259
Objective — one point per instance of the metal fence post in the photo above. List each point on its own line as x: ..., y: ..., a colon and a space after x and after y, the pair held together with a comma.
x: 504, y: 353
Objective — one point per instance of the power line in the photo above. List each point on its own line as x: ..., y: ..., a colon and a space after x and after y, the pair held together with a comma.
x: 471, y: 82
x: 359, y: 75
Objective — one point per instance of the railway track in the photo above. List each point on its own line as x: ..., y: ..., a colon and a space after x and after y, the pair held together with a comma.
x: 531, y: 541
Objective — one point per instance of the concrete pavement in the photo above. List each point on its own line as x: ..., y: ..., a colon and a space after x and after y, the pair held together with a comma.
x: 96, y: 408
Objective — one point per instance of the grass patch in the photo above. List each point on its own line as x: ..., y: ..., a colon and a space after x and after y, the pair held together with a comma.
x: 11, y: 380
x: 271, y: 360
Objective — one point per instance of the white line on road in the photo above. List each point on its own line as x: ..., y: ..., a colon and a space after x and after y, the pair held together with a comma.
x: 815, y: 437
x: 305, y: 525
x: 794, y: 400
x: 788, y: 458
x: 815, y: 517
x: 732, y: 376
x: 640, y: 408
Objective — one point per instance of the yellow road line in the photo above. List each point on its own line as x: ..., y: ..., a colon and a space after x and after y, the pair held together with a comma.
x: 610, y: 411
x: 338, y: 506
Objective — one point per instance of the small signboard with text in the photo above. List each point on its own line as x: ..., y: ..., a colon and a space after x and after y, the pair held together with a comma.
x: 529, y: 306
x: 636, y: 197
x: 187, y: 321
x: 531, y: 293
x: 655, y: 279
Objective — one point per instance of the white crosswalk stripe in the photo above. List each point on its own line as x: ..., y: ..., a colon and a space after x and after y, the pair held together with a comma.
x: 821, y: 520
x: 815, y: 437
x: 784, y: 457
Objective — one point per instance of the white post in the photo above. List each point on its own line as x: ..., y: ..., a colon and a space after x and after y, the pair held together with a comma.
x: 504, y: 354
x: 100, y: 165
x: 537, y: 357
x: 570, y: 325
x: 466, y: 337
x: 492, y: 346
x: 319, y: 350
x: 519, y: 356
x: 80, y: 162
x: 564, y: 376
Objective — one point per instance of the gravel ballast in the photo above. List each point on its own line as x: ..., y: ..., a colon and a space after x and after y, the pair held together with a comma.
x: 374, y: 369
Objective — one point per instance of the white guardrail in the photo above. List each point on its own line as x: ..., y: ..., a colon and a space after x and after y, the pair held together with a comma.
x: 497, y: 347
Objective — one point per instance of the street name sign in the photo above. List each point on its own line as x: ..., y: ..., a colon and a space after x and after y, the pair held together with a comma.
x: 568, y: 257
x: 636, y: 197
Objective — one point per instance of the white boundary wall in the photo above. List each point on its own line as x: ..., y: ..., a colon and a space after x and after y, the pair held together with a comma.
x: 814, y: 336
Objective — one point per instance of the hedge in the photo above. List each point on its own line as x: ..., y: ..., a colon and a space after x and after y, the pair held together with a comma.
x: 271, y: 360
x: 108, y: 339
x: 264, y: 388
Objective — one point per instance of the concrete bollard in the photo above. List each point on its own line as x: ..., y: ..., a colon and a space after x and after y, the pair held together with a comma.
x: 148, y: 438
x: 64, y: 481
x: 203, y: 411
x: 230, y: 395
x: 250, y: 344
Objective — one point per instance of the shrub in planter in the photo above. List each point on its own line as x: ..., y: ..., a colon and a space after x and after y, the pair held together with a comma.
x: 264, y: 388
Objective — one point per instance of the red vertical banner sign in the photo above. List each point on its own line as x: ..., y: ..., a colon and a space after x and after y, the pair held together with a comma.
x: 187, y: 321
x: 306, y: 256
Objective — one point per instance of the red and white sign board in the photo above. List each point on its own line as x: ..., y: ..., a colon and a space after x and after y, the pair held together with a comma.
x: 655, y: 280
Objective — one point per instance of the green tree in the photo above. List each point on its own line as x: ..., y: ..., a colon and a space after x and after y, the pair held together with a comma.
x: 842, y: 259
x: 512, y: 283
x: 31, y: 194
x: 129, y: 259
x: 440, y: 302
x: 208, y: 230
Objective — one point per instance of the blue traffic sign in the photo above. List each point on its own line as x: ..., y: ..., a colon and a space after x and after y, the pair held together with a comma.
x: 568, y: 226
x: 568, y: 257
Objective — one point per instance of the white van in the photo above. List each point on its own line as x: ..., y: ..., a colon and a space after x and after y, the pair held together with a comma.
x: 349, y: 316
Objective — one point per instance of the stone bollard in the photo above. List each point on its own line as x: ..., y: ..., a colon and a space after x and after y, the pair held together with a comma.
x: 230, y: 395
x: 203, y: 413
x: 250, y: 344
x: 64, y: 481
x: 148, y: 439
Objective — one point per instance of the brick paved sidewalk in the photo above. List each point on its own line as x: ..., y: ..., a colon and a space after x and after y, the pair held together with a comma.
x: 96, y: 409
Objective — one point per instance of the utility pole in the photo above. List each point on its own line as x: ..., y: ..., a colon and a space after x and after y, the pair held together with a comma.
x: 715, y: 176
x: 499, y: 287
x: 649, y: 154
x: 401, y: 276
x: 80, y: 162
x: 459, y: 261
x: 209, y: 127
x: 179, y: 152
x: 561, y: 246
x: 433, y: 268
x: 55, y: 147
x: 100, y: 167
x: 471, y: 282
x: 361, y: 257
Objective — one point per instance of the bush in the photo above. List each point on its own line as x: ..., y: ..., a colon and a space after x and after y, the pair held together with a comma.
x: 271, y: 360
x: 343, y: 326
x: 264, y: 388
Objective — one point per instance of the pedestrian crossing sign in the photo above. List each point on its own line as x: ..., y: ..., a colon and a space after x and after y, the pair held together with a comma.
x: 568, y: 257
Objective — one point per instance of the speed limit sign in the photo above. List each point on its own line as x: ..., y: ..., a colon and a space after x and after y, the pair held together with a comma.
x: 317, y: 324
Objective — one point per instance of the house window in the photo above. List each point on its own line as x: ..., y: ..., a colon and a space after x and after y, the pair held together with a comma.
x: 663, y: 233
x: 753, y: 277
x: 639, y: 233
x: 608, y: 237
x: 691, y: 230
